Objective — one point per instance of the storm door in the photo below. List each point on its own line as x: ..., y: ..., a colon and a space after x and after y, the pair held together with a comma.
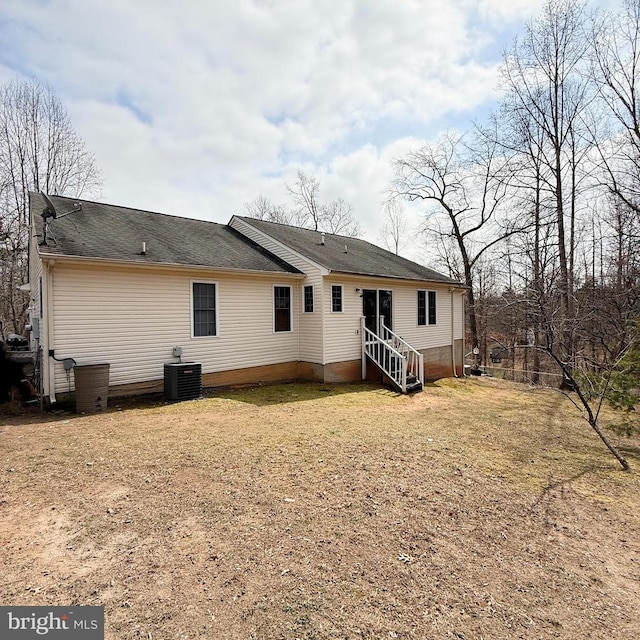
x: 377, y: 302
x: 384, y: 307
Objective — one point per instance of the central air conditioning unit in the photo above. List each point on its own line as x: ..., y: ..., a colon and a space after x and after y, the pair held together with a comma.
x: 182, y: 381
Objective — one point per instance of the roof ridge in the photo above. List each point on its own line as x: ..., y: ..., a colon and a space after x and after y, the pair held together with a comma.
x: 335, y: 235
x: 295, y: 226
x: 372, y: 260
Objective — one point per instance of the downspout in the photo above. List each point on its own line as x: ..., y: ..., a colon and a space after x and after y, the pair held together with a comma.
x: 363, y: 348
x: 453, y: 342
x: 320, y: 290
x: 299, y: 306
x: 464, y: 331
x: 50, y: 346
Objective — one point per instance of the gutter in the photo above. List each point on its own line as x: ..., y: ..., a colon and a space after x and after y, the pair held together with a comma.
x: 457, y: 286
x: 166, y: 265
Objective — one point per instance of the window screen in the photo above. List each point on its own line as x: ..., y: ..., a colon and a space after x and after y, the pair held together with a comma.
x: 422, y: 308
x: 432, y: 307
x: 308, y: 299
x: 204, y: 309
x: 282, y: 308
x: 336, y: 298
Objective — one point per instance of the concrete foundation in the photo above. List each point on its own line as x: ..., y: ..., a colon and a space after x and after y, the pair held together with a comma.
x: 438, y: 361
x: 437, y: 364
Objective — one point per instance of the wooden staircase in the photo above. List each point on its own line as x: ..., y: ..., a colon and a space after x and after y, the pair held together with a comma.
x: 396, y: 358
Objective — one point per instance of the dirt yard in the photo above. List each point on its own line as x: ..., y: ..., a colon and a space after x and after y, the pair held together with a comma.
x: 476, y: 509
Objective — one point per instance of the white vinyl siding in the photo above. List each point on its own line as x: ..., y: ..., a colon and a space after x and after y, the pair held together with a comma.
x: 423, y: 337
x: 132, y: 318
x: 342, y: 330
x: 311, y: 329
x: 458, y: 312
x: 310, y: 325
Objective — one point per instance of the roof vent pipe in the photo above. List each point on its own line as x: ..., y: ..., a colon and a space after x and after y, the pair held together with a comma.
x: 322, y: 238
x: 144, y: 249
x: 346, y: 250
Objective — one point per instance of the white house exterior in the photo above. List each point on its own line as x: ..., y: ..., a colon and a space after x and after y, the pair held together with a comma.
x: 251, y: 301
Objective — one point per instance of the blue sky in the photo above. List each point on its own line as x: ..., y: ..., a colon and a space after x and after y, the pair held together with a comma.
x: 195, y: 108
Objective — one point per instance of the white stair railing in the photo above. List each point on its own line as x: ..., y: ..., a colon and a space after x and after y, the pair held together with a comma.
x: 415, y: 360
x: 391, y: 354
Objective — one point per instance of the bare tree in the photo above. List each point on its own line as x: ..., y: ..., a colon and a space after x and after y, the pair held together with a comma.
x: 333, y: 217
x: 263, y: 209
x: 549, y: 123
x: 304, y: 193
x: 39, y: 151
x: 394, y: 228
x: 543, y: 81
x: 615, y: 68
x: 463, y: 184
x: 337, y: 217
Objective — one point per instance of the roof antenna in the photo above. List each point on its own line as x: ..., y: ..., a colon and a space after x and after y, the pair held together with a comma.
x: 50, y: 212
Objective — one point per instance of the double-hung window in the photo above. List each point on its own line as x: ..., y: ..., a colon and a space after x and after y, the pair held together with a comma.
x: 204, y: 304
x: 336, y: 298
x: 281, y: 308
x: 308, y: 299
x: 431, y: 315
x: 426, y: 308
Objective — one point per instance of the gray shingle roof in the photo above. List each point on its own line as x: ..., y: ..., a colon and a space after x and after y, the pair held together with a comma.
x: 361, y: 258
x: 117, y: 233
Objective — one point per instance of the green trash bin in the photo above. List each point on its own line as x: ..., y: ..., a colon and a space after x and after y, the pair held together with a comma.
x: 92, y: 387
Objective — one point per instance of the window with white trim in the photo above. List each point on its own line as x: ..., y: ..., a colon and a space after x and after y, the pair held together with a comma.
x: 422, y: 308
x: 204, y: 305
x: 426, y: 308
x: 431, y: 315
x: 336, y: 298
x: 308, y: 299
x: 281, y: 308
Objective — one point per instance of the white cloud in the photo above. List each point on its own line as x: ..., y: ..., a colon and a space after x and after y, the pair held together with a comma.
x: 196, y: 108
x: 510, y: 10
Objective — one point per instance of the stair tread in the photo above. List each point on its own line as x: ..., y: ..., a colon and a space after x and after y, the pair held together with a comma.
x: 392, y: 367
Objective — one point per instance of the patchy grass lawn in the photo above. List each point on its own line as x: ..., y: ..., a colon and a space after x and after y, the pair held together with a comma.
x: 477, y: 509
